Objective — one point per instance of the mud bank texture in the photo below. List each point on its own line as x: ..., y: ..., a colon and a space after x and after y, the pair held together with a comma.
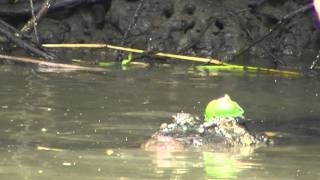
x: 206, y: 28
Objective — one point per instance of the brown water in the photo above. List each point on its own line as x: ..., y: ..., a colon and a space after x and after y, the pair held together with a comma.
x: 79, y: 116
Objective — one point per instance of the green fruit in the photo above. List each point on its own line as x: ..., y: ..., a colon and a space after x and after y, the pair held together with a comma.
x: 222, y: 107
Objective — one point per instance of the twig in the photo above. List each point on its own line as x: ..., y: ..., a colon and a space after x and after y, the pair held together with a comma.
x: 131, y: 25
x: 11, y: 29
x: 34, y: 21
x: 275, y: 60
x: 173, y: 56
x: 204, y: 30
x: 315, y: 62
x: 31, y: 24
x: 283, y: 20
x: 50, y: 64
x: 15, y: 36
x: 139, y: 51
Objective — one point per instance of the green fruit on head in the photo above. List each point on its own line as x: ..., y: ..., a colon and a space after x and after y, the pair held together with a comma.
x: 222, y: 107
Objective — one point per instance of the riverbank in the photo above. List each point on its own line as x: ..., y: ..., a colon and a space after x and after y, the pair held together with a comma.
x: 205, y: 28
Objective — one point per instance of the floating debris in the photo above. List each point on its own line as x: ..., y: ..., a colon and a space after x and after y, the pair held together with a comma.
x: 109, y: 152
x: 43, y: 148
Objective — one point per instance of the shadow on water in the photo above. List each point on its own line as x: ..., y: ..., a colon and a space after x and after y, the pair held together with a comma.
x: 298, y: 131
x: 90, y: 126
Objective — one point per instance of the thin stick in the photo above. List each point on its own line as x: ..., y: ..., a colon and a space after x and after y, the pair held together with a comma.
x: 34, y: 21
x: 15, y: 37
x: 283, y: 20
x: 131, y: 25
x: 50, y: 64
x: 174, y: 56
x: 139, y: 51
x: 315, y: 62
x: 36, y: 18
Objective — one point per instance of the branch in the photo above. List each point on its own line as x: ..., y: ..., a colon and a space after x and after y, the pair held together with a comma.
x: 13, y: 35
x: 282, y: 21
x: 36, y: 19
x: 50, y: 64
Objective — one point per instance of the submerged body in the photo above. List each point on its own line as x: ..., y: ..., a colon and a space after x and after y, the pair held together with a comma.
x: 188, y: 132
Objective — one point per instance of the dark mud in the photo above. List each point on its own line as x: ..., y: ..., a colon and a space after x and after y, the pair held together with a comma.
x: 206, y: 28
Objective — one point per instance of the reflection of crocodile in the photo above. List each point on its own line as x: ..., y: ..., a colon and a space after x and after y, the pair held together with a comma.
x: 219, y: 132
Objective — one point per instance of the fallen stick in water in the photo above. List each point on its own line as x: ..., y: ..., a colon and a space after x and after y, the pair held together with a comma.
x: 175, y: 56
x: 51, y: 64
x: 139, y: 51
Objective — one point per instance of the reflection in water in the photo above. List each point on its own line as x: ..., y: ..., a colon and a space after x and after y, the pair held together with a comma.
x: 216, y: 165
x: 226, y: 165
x: 170, y: 161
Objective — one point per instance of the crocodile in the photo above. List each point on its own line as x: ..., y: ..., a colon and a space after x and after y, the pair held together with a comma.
x: 219, y: 133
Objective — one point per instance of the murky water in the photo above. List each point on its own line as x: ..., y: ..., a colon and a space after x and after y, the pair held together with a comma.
x: 89, y: 126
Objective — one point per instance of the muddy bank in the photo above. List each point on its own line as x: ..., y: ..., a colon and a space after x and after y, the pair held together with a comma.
x: 206, y: 28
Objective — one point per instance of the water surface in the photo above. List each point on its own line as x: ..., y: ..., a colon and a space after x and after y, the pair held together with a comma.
x: 80, y: 125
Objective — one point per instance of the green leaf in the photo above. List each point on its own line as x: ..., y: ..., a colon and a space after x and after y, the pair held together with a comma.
x: 222, y: 107
x: 127, y: 61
